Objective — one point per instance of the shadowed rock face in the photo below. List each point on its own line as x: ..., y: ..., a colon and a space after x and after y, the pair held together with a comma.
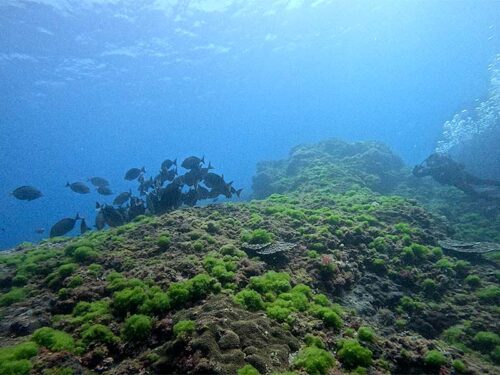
x: 469, y: 247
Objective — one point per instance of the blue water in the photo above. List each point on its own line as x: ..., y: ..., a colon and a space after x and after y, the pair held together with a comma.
x: 94, y: 87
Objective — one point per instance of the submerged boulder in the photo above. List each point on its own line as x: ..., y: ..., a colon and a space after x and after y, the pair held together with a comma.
x: 462, y: 247
x: 333, y: 165
x: 226, y: 339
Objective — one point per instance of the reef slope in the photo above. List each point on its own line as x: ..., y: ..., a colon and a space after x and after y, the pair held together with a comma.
x: 355, y: 282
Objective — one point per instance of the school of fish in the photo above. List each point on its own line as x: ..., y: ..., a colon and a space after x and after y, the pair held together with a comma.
x: 166, y: 191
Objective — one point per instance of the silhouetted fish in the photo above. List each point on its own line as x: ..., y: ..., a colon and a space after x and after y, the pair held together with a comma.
x: 122, y: 198
x: 204, y: 171
x: 40, y: 230
x: 78, y: 187
x: 150, y: 202
x: 100, y: 221
x: 63, y: 226
x: 236, y: 191
x: 27, y: 193
x: 202, y: 192
x: 192, y: 162
x: 214, y: 193
x: 190, y: 197
x: 136, y: 208
x: 104, y: 190
x: 167, y: 164
x: 192, y: 177
x: 145, y: 185
x: 170, y: 175
x: 112, y: 216
x: 133, y: 173
x: 83, y: 227
x: 98, y: 181
x: 213, y: 180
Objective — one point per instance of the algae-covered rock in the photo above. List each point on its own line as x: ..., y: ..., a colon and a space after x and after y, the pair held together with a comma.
x: 270, y: 286
x: 334, y: 165
x: 227, y: 338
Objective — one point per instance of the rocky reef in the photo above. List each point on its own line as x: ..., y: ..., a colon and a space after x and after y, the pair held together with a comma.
x: 336, y: 268
x: 334, y: 166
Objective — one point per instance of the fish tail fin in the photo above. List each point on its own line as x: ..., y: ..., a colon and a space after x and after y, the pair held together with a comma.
x: 210, y: 165
x: 203, y: 159
x: 77, y: 217
x: 143, y: 170
x: 238, y: 192
x: 175, y: 162
x: 97, y: 205
x: 67, y: 184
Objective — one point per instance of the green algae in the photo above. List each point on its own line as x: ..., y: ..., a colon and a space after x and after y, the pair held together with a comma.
x: 184, y: 328
x: 314, y: 360
x: 54, y: 339
x: 352, y: 241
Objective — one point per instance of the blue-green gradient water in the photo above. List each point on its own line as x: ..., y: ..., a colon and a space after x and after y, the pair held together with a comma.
x: 95, y: 87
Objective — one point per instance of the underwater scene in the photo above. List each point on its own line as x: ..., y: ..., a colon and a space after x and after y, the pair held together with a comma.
x: 249, y: 187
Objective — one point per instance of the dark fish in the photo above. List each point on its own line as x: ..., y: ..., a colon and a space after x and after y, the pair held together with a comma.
x: 227, y: 190
x: 202, y: 192
x: 136, y: 208
x: 78, y: 187
x: 192, y: 162
x: 112, y: 216
x: 214, y: 193
x: 224, y: 189
x: 83, y: 227
x: 204, y: 171
x: 100, y: 221
x: 168, y: 198
x: 167, y: 164
x: 2, y: 229
x: 190, y: 197
x: 236, y: 191
x: 145, y: 185
x: 27, y: 193
x: 122, y: 198
x: 40, y: 230
x: 159, y: 179
x: 104, y: 190
x: 63, y: 226
x: 133, y: 173
x: 150, y: 202
x: 170, y: 175
x: 192, y: 177
x: 98, y: 181
x: 213, y: 180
